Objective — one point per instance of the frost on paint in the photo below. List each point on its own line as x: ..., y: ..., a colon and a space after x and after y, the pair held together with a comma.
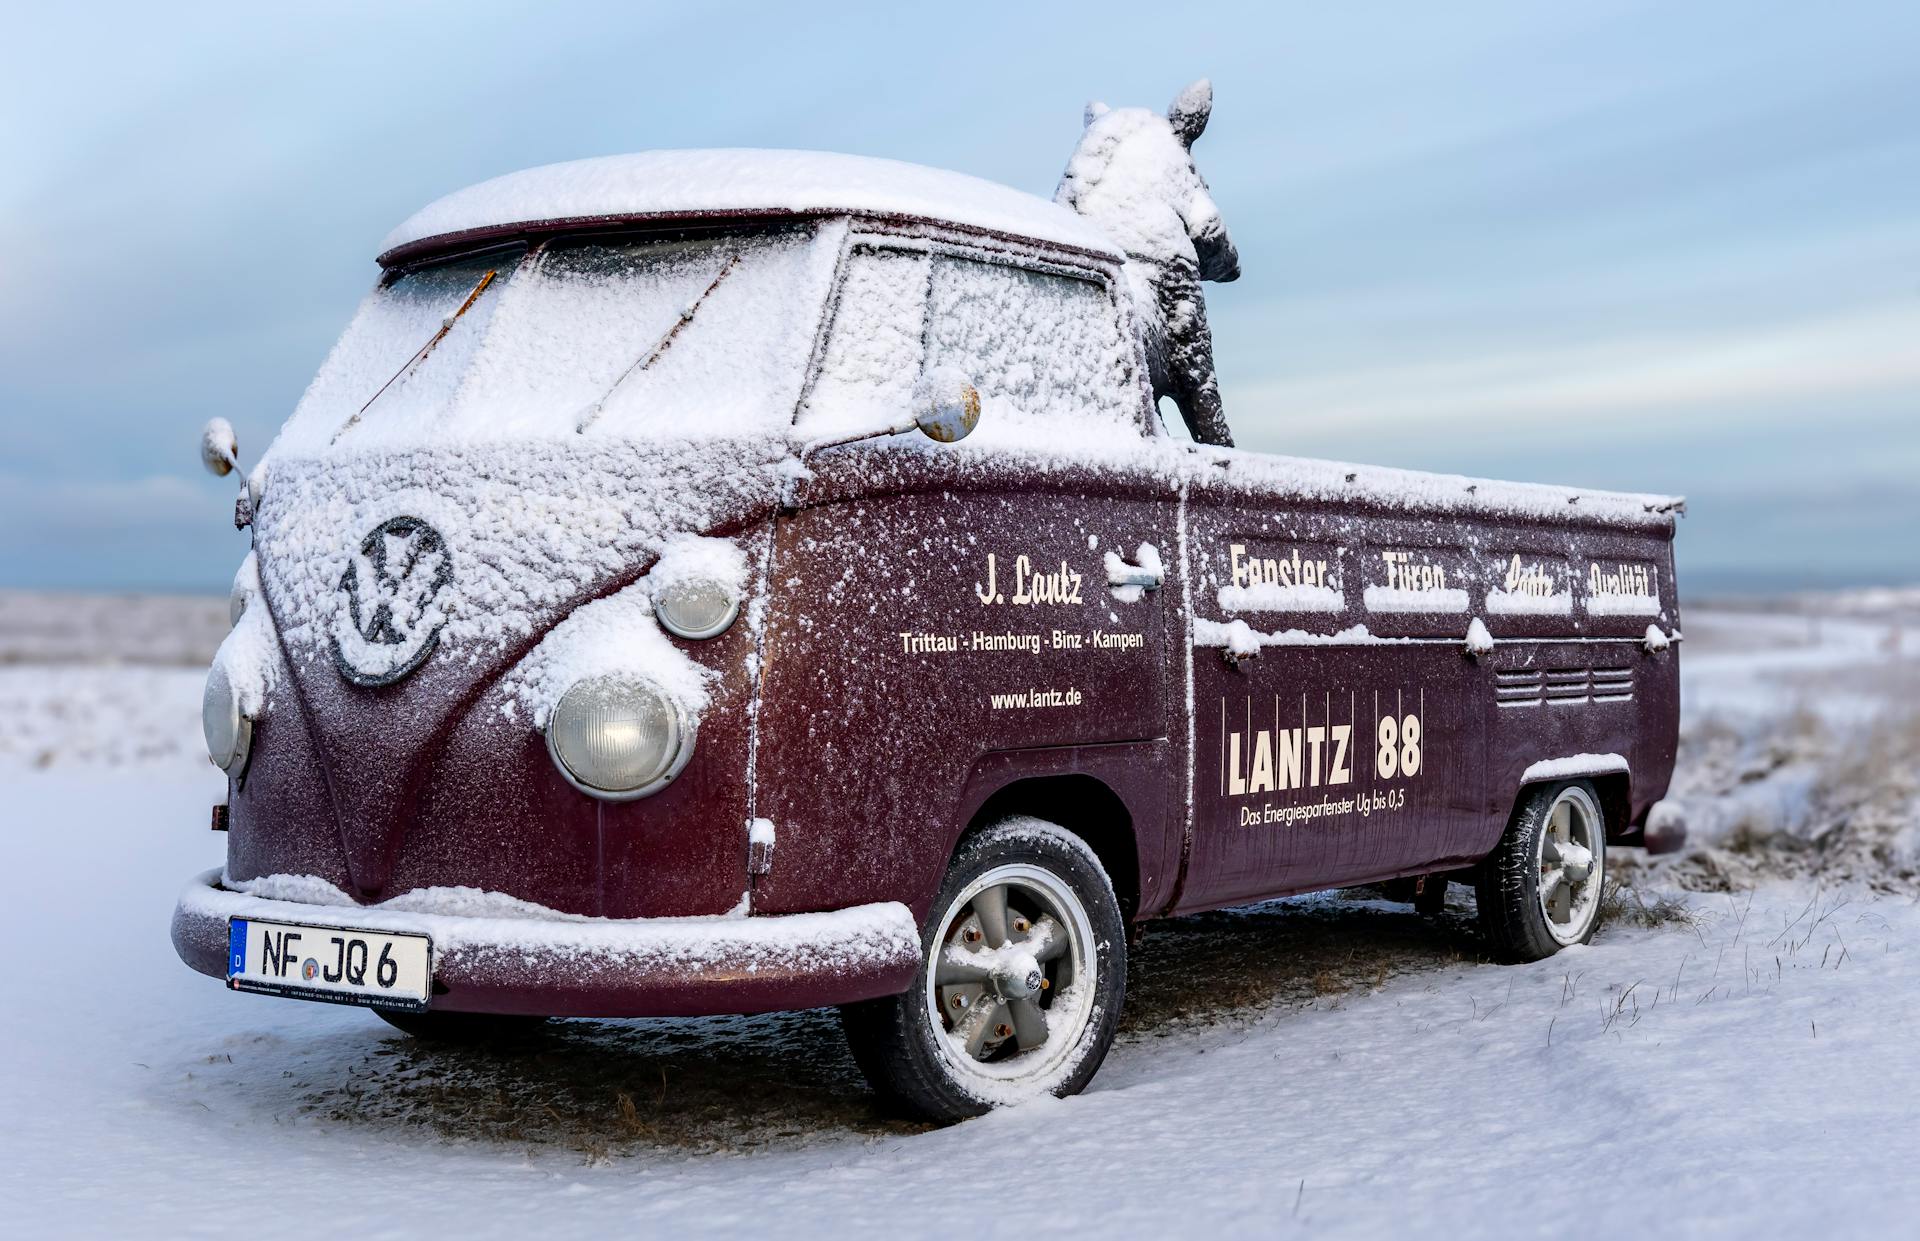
x: 245, y: 592
x: 1241, y: 639
x: 1272, y: 597
x: 1133, y: 175
x: 1623, y: 605
x: 250, y: 655
x: 474, y: 924
x: 1521, y: 603
x: 617, y: 636
x: 698, y: 183
x: 1402, y: 599
x: 534, y: 527
x: 688, y: 558
x: 1419, y: 492
x: 760, y: 841
x: 1572, y: 767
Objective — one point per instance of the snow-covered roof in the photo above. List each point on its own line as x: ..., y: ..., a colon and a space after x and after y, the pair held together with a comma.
x: 676, y: 183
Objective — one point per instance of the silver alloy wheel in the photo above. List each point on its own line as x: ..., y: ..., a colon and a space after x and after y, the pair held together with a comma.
x: 1570, y: 851
x: 1011, y: 981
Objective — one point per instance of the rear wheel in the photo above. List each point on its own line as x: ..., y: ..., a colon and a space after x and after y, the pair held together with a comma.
x: 1023, y: 973
x: 439, y: 1026
x: 1540, y: 889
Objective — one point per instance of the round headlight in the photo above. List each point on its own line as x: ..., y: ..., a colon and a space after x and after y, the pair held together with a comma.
x: 618, y: 738
x: 228, y: 732
x: 698, y: 608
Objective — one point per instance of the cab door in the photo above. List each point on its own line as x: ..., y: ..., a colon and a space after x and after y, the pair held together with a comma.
x: 944, y: 620
x: 1022, y: 524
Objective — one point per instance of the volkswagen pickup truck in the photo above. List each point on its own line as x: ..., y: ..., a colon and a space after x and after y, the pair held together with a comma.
x: 721, y: 582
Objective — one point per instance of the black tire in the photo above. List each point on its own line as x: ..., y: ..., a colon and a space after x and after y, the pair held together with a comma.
x: 441, y: 1026
x: 917, y: 1066
x: 1514, y: 918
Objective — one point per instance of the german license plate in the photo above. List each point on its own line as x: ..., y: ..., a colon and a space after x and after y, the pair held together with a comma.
x: 339, y: 964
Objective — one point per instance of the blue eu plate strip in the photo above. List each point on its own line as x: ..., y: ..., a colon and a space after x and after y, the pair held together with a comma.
x: 236, y: 947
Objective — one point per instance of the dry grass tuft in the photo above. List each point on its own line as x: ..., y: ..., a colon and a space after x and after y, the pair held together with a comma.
x: 1621, y: 905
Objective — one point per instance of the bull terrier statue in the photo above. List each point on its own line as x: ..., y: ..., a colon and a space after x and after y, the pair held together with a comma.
x: 1133, y: 175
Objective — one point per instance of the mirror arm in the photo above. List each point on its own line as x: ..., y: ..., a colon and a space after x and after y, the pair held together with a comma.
x: 810, y: 447
x: 942, y: 416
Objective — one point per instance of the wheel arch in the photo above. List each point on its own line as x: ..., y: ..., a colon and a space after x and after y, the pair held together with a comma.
x: 1079, y: 803
x: 1614, y: 789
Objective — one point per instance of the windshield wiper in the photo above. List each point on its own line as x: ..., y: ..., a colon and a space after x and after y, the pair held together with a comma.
x: 420, y: 355
x: 641, y: 363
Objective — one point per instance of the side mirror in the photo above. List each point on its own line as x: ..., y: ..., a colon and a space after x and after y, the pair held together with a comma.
x: 219, y: 451
x: 946, y: 406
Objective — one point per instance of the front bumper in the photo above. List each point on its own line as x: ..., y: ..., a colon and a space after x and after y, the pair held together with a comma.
x: 560, y: 966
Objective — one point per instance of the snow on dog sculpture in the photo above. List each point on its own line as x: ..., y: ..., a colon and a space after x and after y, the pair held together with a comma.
x: 1133, y: 174
x: 724, y: 581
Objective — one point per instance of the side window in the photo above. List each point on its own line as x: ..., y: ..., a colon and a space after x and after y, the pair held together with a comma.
x: 874, y: 352
x: 1043, y: 346
x: 1039, y: 347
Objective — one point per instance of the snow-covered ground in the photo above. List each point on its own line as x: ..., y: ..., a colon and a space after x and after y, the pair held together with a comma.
x: 1326, y: 1067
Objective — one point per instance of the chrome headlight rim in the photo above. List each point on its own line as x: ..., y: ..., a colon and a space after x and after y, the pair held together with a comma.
x: 238, y: 724
x: 662, y: 608
x: 685, y: 732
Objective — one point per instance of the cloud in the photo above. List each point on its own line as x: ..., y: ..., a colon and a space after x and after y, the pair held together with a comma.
x: 1628, y: 380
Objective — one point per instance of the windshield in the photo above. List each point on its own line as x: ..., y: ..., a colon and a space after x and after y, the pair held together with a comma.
x: 621, y: 336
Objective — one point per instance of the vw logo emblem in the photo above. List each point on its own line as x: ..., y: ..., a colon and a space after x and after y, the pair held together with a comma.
x: 387, y: 623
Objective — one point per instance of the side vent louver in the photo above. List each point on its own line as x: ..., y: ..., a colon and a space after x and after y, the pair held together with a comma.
x: 1520, y: 688
x: 1530, y: 687
x: 1566, y: 685
x: 1612, y: 684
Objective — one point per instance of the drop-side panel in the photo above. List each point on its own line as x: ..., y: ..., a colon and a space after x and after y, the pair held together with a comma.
x: 1339, y: 731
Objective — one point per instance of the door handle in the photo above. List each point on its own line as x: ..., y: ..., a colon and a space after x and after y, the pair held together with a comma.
x: 1120, y: 573
x: 1133, y: 575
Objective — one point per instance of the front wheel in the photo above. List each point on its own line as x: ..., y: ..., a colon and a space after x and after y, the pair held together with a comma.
x: 1539, y: 891
x: 1022, y: 977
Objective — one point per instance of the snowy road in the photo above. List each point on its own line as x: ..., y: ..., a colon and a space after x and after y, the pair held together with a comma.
x: 1751, y: 1075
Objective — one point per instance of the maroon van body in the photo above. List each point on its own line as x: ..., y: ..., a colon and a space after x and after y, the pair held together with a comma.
x: 1233, y: 676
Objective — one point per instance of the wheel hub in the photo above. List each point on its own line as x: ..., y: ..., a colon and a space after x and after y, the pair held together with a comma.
x: 1005, y: 959
x: 1018, y: 977
x: 1570, y: 864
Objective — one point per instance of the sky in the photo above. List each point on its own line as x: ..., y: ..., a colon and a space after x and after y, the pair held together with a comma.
x: 1657, y: 247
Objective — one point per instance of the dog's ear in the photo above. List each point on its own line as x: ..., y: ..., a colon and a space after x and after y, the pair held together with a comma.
x: 1095, y: 110
x: 1189, y: 111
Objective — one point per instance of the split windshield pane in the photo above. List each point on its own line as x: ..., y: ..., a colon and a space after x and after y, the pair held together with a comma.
x: 627, y: 335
